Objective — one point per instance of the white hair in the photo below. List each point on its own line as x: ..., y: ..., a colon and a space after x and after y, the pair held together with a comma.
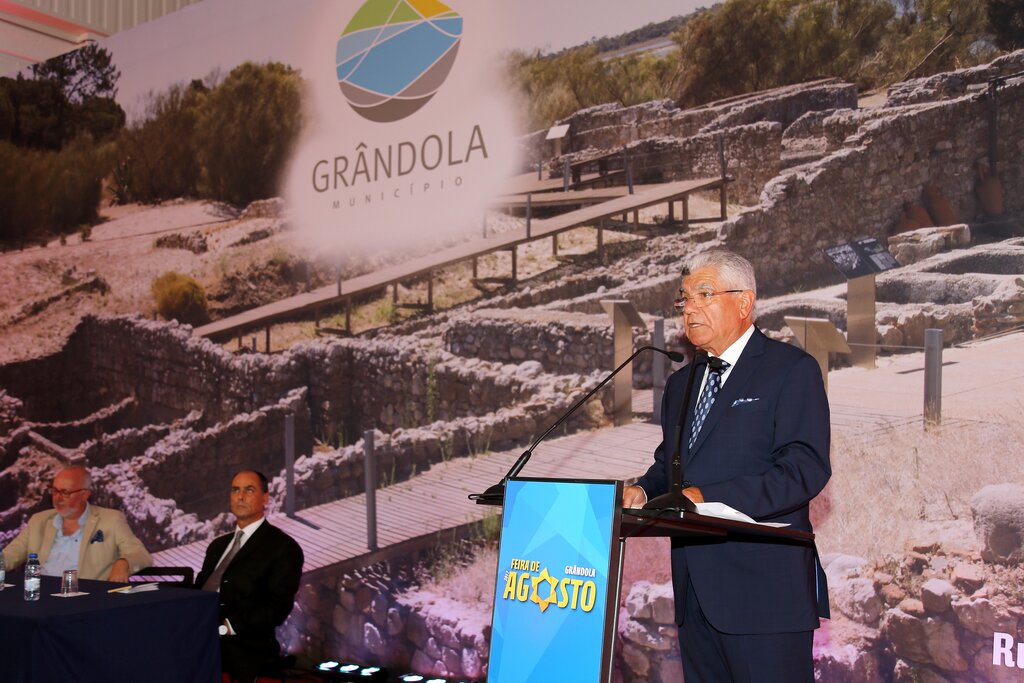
x: 734, y: 271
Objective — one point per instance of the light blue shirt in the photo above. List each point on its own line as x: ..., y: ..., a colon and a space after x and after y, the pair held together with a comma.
x: 65, y: 551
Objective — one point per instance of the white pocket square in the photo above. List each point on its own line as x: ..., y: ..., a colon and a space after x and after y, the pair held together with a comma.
x: 741, y: 401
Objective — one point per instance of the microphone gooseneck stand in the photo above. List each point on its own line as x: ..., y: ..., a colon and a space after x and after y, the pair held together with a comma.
x: 674, y: 500
x: 495, y: 494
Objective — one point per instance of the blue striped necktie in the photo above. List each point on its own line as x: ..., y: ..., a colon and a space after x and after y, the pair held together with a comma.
x: 716, y: 366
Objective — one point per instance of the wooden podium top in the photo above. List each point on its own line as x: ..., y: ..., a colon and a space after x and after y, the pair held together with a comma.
x: 640, y: 522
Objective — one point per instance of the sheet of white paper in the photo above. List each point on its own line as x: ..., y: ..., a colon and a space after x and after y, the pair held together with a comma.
x: 723, y: 511
x: 68, y: 595
x: 139, y: 588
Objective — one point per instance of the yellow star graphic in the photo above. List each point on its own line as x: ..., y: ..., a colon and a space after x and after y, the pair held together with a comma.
x: 535, y: 597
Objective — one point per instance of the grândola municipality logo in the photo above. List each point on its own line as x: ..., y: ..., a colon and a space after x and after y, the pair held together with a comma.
x: 395, y: 54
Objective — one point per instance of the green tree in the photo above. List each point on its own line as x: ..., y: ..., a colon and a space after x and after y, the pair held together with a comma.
x: 731, y: 49
x: 69, y: 95
x: 40, y: 113
x: 7, y: 112
x: 929, y: 36
x: 100, y: 117
x: 157, y: 157
x: 247, y: 128
x: 1006, y: 21
x: 45, y: 192
x: 81, y: 74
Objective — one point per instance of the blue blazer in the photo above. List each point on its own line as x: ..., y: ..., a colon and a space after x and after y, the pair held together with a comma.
x: 764, y: 450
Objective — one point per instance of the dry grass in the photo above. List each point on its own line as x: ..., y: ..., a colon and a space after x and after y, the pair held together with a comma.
x: 883, y: 483
x: 472, y: 584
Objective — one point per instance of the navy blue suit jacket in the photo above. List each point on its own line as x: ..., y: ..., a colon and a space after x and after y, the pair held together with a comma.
x: 767, y: 458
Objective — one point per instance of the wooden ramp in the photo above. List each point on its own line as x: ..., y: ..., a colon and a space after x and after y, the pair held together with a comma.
x: 343, y: 292
x: 437, y: 499
x: 530, y: 183
x: 571, y: 198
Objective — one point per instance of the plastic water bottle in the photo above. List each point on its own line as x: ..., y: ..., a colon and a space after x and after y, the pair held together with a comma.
x: 32, y: 580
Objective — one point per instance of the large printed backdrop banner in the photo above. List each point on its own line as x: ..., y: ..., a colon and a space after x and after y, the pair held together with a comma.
x: 363, y: 137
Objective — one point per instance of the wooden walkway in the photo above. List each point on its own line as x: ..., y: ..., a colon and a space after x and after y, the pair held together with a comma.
x: 425, y: 266
x: 571, y: 198
x: 437, y: 499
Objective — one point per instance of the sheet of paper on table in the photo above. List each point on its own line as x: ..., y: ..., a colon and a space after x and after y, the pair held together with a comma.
x: 68, y: 595
x: 723, y: 511
x: 137, y: 588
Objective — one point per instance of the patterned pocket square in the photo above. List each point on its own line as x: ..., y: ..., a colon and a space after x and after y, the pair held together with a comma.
x: 741, y: 401
x: 97, y: 537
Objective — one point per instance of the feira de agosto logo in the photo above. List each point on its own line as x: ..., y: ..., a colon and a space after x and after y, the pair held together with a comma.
x: 391, y: 59
x: 573, y: 588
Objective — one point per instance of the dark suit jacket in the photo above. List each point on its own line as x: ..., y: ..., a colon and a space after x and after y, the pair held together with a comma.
x: 767, y: 458
x: 257, y: 590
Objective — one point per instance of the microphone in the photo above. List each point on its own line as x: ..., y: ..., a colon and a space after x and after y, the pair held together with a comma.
x: 495, y: 495
x: 674, y: 500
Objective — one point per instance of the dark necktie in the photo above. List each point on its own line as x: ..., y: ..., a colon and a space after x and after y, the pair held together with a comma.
x: 213, y: 583
x: 716, y: 366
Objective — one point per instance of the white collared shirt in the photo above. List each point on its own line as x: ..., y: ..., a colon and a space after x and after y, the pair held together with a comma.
x: 731, y: 356
x: 247, y: 533
x: 65, y: 550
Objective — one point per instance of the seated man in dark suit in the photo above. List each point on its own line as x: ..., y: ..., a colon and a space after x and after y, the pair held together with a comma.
x: 256, y: 569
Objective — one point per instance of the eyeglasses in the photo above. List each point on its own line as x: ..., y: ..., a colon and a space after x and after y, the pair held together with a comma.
x: 62, y: 493
x: 700, y: 299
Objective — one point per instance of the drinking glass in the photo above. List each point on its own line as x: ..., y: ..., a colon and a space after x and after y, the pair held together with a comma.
x: 69, y: 582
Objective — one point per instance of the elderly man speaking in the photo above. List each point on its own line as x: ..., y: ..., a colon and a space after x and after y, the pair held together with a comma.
x: 756, y: 439
x: 76, y: 535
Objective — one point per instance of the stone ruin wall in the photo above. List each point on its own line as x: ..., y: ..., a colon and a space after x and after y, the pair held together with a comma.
x: 160, y: 365
x: 752, y: 158
x: 610, y: 126
x: 328, y: 475
x: 563, y: 343
x: 752, y: 155
x: 371, y: 613
x: 389, y: 384
x: 953, y: 84
x: 690, y: 137
x: 653, y: 296
x: 787, y: 105
x: 168, y: 476
x: 888, y: 162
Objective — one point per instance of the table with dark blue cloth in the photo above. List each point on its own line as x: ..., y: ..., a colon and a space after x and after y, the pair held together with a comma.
x: 166, y: 635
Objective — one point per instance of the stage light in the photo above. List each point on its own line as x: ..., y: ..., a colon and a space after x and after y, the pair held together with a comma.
x: 411, y: 678
x: 349, y: 671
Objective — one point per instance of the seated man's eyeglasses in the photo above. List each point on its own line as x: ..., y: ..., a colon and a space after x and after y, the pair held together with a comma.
x: 64, y: 494
x: 699, y: 299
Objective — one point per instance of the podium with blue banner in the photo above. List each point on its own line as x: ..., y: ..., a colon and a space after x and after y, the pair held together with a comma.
x: 559, y: 575
x: 558, y: 581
